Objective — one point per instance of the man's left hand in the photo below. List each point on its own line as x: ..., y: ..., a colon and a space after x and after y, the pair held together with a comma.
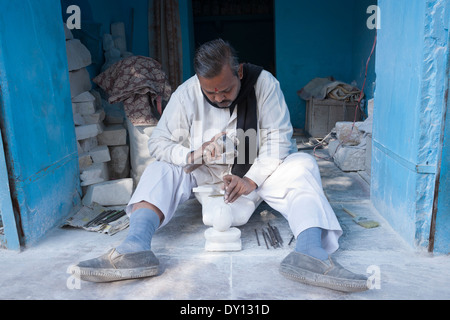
x: 236, y: 186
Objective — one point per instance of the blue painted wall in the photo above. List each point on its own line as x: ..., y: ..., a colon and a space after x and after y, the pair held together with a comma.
x: 362, y: 43
x: 187, y: 37
x: 409, y: 97
x: 97, y: 17
x: 36, y: 115
x: 320, y: 39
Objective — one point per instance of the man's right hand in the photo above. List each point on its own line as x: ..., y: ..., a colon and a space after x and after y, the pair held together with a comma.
x: 209, y: 152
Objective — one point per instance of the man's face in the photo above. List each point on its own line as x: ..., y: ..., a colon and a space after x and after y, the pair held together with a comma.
x: 223, y: 89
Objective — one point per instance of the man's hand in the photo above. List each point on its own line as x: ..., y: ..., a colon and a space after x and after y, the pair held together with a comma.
x: 236, y: 186
x: 208, y: 152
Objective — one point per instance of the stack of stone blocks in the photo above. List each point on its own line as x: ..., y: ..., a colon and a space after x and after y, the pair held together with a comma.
x: 100, y: 133
x: 352, y: 150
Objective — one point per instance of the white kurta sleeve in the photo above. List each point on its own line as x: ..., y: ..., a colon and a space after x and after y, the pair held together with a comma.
x: 275, y: 129
x: 169, y: 141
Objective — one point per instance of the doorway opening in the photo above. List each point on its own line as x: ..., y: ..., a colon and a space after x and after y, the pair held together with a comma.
x: 248, y: 25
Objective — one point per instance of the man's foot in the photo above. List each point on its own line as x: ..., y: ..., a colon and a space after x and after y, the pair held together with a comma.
x: 329, y: 274
x: 113, y: 266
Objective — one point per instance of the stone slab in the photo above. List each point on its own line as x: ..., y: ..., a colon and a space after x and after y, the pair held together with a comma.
x: 109, y: 193
x: 79, y: 82
x: 347, y: 133
x: 84, y: 107
x: 78, y: 119
x: 87, y: 131
x: 229, y: 240
x: 85, y: 96
x: 100, y: 154
x: 78, y: 56
x: 97, y: 172
x: 84, y: 161
x: 108, y: 42
x: 349, y: 158
x: 88, y: 144
x: 96, y: 117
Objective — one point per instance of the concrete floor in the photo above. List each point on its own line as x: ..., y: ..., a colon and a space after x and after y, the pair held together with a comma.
x: 189, y: 273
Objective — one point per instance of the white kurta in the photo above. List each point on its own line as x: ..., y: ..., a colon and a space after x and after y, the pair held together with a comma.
x: 289, y: 183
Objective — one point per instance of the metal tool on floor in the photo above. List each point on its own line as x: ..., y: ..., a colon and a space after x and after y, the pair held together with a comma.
x: 271, y: 235
x: 362, y: 221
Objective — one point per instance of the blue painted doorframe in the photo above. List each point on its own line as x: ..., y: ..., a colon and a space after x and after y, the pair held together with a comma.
x: 36, y: 118
x: 10, y: 236
x: 410, y: 102
x: 440, y: 228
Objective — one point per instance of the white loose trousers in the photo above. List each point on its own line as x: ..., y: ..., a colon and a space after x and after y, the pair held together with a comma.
x: 294, y: 189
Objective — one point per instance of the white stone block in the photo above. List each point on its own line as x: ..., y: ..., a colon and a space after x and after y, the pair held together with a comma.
x: 112, y: 56
x: 88, y: 144
x: 78, y: 56
x: 80, y: 82
x: 348, y: 135
x: 109, y: 193
x: 85, y: 96
x: 350, y: 158
x: 95, y: 173
x: 366, y: 126
x: 121, y: 44
x: 114, y: 135
x: 84, y: 103
x: 108, y: 42
x: 229, y: 240
x: 84, y: 161
x: 78, y: 119
x: 332, y: 146
x: 370, y: 105
x: 87, y: 131
x: 84, y: 108
x: 100, y: 154
x: 368, y: 154
x: 96, y: 117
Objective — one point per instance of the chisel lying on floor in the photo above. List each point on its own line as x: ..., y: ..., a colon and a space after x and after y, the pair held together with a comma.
x: 362, y: 221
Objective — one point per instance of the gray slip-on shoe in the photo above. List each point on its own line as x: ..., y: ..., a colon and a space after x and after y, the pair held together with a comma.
x: 113, y: 266
x: 329, y: 274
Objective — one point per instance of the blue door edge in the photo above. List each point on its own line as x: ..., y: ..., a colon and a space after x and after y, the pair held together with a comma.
x: 10, y: 237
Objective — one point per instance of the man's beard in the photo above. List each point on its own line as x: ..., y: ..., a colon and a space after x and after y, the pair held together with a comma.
x: 225, y: 104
